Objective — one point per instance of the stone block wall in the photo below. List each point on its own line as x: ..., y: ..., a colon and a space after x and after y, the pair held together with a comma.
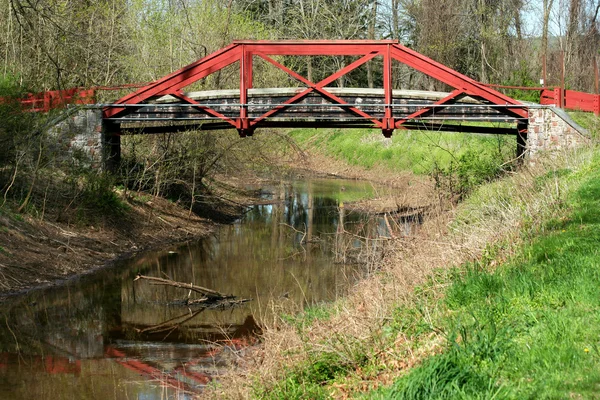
x: 551, y: 129
x: 79, y: 139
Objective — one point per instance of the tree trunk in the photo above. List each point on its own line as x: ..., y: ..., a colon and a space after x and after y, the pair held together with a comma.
x: 372, y: 23
x: 547, y: 4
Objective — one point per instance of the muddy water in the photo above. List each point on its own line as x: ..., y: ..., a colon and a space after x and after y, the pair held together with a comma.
x: 110, y: 337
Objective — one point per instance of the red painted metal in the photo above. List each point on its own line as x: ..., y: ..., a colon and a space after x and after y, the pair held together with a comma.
x: 319, y: 87
x: 388, y: 122
x: 451, y: 98
x: 200, y: 107
x: 558, y: 97
x: 243, y: 52
x: 46, y: 101
x: 571, y: 100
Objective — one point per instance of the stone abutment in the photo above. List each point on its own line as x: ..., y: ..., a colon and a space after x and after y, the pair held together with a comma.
x: 82, y: 138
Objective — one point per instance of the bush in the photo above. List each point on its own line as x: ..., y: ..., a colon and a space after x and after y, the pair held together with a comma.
x: 463, y: 174
x: 97, y: 199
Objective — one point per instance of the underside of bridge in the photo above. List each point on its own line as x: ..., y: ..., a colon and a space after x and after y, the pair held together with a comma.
x: 164, y: 106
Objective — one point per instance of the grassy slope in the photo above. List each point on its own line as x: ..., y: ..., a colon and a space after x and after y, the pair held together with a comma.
x: 528, y: 329
x: 524, y: 329
x: 416, y: 151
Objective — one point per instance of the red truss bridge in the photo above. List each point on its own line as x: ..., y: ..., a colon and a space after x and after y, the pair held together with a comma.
x: 164, y: 106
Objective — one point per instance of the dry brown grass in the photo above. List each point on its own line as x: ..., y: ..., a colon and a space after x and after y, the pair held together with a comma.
x: 497, y: 213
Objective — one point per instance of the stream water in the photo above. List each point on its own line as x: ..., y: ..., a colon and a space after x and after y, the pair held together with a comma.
x: 107, y: 336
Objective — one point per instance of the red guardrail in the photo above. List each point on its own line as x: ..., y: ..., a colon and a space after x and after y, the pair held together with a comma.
x: 571, y: 100
x: 563, y: 98
x: 46, y: 101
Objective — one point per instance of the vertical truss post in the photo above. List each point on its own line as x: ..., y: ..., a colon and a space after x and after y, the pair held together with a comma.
x: 521, y: 140
x: 388, y: 120
x: 243, y: 123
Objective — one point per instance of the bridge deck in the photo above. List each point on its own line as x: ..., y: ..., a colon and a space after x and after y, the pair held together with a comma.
x: 315, y: 111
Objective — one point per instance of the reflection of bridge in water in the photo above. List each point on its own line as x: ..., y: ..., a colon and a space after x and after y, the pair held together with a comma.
x: 90, y: 331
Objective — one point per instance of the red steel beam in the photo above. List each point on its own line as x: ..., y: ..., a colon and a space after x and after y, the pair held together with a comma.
x: 243, y: 125
x: 451, y: 98
x: 203, y: 108
x: 388, y: 120
x: 454, y: 79
x: 179, y: 79
x: 319, y: 87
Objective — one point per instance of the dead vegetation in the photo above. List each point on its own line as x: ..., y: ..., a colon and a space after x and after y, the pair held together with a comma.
x: 495, y: 217
x: 36, y: 252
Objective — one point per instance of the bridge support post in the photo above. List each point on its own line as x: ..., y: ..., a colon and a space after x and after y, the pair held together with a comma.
x: 245, y: 132
x: 111, y: 143
x: 521, y: 140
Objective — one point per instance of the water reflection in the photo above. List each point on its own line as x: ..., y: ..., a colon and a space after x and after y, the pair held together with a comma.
x: 108, y: 337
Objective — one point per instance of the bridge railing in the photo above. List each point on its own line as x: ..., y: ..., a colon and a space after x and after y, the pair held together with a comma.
x: 562, y: 98
x: 559, y: 97
x: 54, y: 99
x: 50, y: 100
x: 571, y: 100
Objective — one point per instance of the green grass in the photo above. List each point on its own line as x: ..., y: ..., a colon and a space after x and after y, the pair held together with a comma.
x: 528, y: 329
x: 306, y: 381
x: 416, y: 151
x: 524, y: 329
x: 587, y: 120
x: 309, y: 315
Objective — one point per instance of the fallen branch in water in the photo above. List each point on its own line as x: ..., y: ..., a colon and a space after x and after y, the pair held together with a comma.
x: 179, y: 321
x: 211, y: 294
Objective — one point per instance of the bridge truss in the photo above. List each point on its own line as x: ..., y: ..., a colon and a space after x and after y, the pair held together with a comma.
x: 164, y: 100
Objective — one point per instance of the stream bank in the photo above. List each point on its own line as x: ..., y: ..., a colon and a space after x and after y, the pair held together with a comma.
x: 40, y: 252
x: 298, y: 247
x: 388, y: 323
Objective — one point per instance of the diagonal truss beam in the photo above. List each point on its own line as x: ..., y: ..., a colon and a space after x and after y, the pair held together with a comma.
x: 426, y: 111
x: 318, y: 87
x: 203, y: 108
x: 170, y: 84
x: 243, y: 52
x: 455, y: 79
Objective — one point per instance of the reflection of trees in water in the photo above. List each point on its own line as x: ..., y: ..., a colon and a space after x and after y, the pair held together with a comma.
x: 267, y: 257
x: 262, y: 258
x: 72, y: 320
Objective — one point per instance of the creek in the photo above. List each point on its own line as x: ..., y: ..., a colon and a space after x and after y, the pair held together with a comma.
x: 106, y: 336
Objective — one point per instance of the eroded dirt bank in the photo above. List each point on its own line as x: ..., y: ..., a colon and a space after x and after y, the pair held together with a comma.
x: 39, y: 252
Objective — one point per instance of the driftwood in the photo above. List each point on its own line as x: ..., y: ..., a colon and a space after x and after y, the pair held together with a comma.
x: 177, y: 322
x: 211, y: 299
x: 171, y: 324
x: 209, y: 293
